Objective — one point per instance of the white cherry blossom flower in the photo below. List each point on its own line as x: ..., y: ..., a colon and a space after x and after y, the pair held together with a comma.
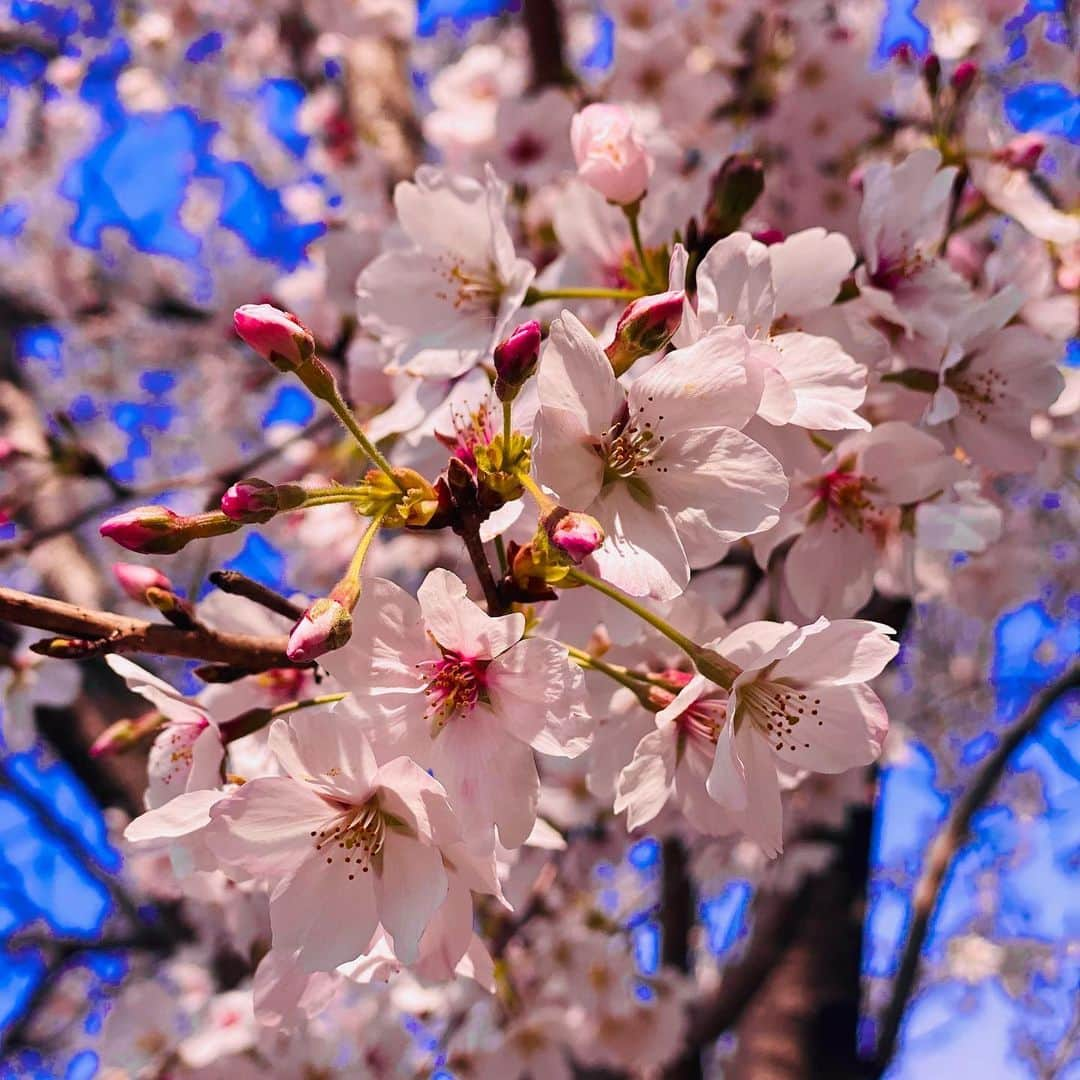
x: 801, y: 702
x: 447, y: 299
x: 661, y: 466
x: 344, y: 843
x: 464, y: 694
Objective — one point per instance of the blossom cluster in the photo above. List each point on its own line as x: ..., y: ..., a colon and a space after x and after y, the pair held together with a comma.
x: 653, y: 391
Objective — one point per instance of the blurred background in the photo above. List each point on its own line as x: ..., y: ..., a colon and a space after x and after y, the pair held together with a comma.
x: 202, y: 180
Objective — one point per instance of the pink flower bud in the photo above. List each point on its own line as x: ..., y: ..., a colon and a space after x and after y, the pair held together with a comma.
x: 1023, y: 152
x: 148, y: 530
x: 610, y: 156
x: 325, y: 626
x: 515, y: 359
x: 275, y: 335
x: 645, y: 327
x: 963, y: 76
x: 250, y: 501
x: 769, y: 236
x: 576, y: 535
x: 931, y: 70
x: 135, y: 580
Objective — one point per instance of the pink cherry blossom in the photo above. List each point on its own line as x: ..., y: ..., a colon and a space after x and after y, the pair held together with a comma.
x: 610, y: 155
x: 662, y: 466
x: 345, y: 844
x: 465, y: 695
x: 802, y: 702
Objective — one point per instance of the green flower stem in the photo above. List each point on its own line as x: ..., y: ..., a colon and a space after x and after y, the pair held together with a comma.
x: 344, y: 414
x: 712, y: 666
x: 348, y: 588
x: 581, y: 292
x: 508, y: 427
x: 305, y: 703
x: 612, y: 671
x: 632, y: 213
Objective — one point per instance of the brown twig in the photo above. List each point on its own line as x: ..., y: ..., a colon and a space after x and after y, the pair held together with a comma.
x: 109, y: 632
x: 218, y: 480
x: 945, y: 848
x: 237, y: 584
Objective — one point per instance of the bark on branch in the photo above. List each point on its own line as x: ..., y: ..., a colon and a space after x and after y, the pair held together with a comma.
x: 945, y: 848
x: 121, y: 634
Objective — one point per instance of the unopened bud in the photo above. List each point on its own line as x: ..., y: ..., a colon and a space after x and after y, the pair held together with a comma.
x: 645, y: 327
x: 575, y: 534
x: 125, y: 734
x: 515, y: 360
x: 769, y: 236
x: 250, y: 502
x: 963, y: 76
x: 179, y: 612
x: 135, y: 580
x: 904, y: 54
x: 931, y: 70
x: 735, y: 189
x: 156, y: 530
x: 325, y: 626
x: 148, y: 530
x: 275, y: 335
x: 1022, y: 152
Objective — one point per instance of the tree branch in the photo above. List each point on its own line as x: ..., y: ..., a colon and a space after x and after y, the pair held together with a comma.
x: 544, y: 29
x: 121, y: 634
x: 944, y: 850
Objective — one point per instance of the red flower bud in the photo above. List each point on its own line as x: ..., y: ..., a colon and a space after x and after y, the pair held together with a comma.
x: 931, y: 70
x: 275, y: 335
x: 1023, y: 152
x: 325, y: 626
x: 769, y: 236
x: 645, y: 327
x: 964, y: 74
x: 250, y: 502
x: 148, y: 530
x: 515, y: 359
x: 575, y: 534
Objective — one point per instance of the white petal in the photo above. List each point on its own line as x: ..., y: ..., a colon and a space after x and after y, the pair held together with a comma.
x: 575, y: 376
x: 408, y: 890
x: 735, y: 482
x: 808, y: 269
x: 322, y: 914
x: 641, y: 553
x: 848, y: 731
x: 458, y: 624
x: 539, y: 697
x: 838, y: 653
x: 644, y: 785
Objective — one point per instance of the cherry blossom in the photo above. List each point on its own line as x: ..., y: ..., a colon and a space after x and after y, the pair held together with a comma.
x: 443, y: 302
x: 663, y: 466
x: 801, y: 702
x: 464, y: 694
x: 344, y: 842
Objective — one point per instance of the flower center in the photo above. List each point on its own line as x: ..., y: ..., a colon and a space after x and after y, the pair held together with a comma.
x: 455, y: 686
x: 627, y: 447
x: 980, y: 391
x: 472, y: 431
x: 776, y: 710
x: 357, y: 834
x: 471, y: 289
x: 844, y: 496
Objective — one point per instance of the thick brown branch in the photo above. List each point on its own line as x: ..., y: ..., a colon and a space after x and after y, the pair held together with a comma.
x: 944, y: 850
x: 127, y: 635
x: 544, y: 29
